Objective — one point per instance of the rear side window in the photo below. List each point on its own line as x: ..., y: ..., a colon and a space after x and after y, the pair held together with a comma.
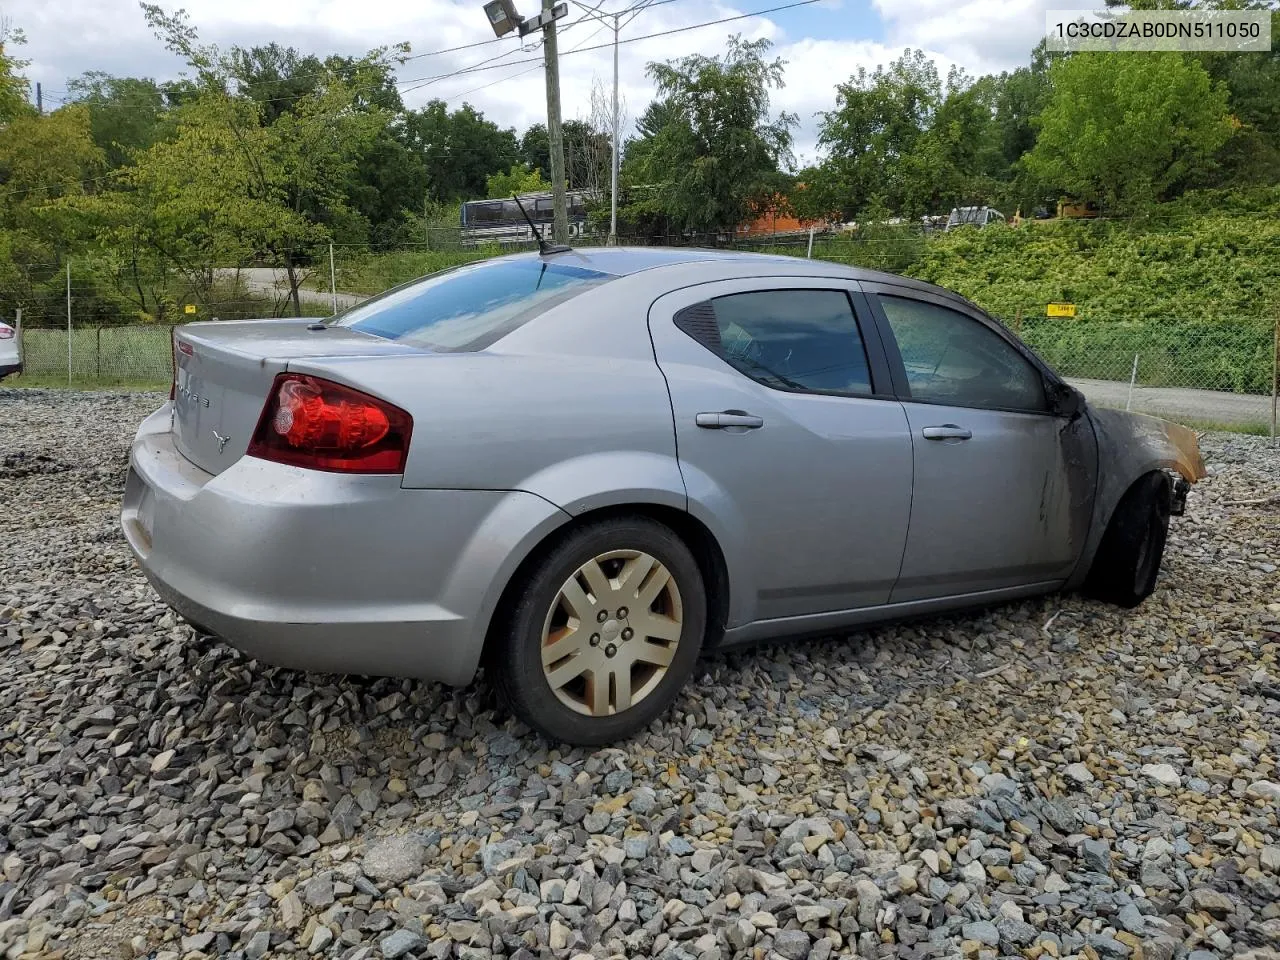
x: 798, y: 340
x: 472, y: 306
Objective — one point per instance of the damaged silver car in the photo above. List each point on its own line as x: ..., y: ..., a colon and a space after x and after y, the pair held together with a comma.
x: 582, y: 469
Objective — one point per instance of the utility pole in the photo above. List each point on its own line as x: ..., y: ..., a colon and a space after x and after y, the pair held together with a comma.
x: 504, y: 19
x: 39, y: 100
x: 560, y: 210
x: 613, y: 186
x: 617, y: 25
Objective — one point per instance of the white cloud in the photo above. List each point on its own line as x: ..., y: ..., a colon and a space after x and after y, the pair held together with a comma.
x: 985, y: 36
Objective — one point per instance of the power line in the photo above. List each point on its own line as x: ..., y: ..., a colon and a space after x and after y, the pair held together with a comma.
x: 637, y: 8
x: 412, y: 86
x: 538, y: 62
x: 417, y: 83
x: 647, y: 36
x: 537, y: 66
x: 483, y: 43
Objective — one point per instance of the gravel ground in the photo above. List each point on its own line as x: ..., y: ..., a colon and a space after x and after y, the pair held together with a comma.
x: 1047, y: 779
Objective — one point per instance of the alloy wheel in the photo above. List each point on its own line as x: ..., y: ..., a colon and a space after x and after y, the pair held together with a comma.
x: 611, y: 632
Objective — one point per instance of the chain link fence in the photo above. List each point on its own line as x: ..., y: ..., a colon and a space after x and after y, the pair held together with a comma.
x: 1219, y: 371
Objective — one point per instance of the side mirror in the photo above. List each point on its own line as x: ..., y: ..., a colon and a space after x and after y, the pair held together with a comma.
x: 1064, y: 399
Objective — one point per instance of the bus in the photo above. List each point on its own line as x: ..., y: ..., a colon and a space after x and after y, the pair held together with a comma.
x: 499, y: 221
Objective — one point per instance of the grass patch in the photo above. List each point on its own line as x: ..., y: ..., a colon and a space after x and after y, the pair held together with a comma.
x: 50, y: 381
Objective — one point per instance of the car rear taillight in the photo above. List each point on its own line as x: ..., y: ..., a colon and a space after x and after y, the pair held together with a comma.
x: 6, y: 332
x: 173, y: 362
x: 310, y: 422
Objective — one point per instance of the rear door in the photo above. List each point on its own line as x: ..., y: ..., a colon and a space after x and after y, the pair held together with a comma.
x: 786, y: 428
x: 1003, y: 487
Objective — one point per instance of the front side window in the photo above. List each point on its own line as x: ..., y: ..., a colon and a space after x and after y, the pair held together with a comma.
x: 954, y: 359
x: 472, y: 306
x: 793, y: 340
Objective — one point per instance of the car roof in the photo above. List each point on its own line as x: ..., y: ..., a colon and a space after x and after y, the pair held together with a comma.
x: 623, y: 261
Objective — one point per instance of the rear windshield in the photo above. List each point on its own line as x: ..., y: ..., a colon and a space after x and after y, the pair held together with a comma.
x: 472, y: 306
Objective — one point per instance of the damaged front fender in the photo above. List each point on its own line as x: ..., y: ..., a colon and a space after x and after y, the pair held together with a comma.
x: 1131, y: 444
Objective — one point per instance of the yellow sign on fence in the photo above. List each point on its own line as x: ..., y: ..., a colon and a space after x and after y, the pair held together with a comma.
x: 191, y: 308
x: 1060, y: 310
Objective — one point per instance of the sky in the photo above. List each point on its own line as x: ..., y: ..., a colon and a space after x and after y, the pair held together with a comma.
x: 823, y: 42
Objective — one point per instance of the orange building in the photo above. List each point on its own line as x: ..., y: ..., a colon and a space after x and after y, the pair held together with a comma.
x: 772, y: 220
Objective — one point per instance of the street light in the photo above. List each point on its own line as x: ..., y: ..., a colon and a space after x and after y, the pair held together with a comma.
x: 502, y: 16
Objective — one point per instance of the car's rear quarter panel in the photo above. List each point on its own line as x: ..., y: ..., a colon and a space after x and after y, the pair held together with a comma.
x: 576, y: 413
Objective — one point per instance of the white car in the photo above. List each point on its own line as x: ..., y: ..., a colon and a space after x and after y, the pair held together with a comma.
x: 10, y: 358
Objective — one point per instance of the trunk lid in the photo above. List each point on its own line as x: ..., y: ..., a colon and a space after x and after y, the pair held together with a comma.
x: 224, y: 371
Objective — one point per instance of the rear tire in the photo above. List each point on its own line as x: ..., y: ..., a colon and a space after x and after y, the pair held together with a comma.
x: 603, y: 633
x: 1127, y: 563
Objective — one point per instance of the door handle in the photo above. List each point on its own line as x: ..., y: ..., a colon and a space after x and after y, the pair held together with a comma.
x: 948, y: 431
x: 728, y: 418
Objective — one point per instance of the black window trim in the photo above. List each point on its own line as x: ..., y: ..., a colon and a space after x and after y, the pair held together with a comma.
x: 898, y: 369
x: 878, y: 365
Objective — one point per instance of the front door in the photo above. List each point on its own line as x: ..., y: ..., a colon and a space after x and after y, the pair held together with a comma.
x: 789, y: 438
x: 1003, y: 487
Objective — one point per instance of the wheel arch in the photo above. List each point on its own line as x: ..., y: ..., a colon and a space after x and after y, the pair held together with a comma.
x: 692, y: 531
x: 1108, y: 502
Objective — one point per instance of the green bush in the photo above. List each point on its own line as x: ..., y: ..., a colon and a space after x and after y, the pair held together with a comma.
x: 1180, y: 264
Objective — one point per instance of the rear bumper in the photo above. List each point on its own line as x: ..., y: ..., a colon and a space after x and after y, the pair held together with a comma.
x: 8, y: 368
x: 322, y: 571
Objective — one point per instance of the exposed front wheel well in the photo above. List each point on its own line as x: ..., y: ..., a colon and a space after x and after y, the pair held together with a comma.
x: 1153, y: 477
x: 1127, y: 561
x: 695, y: 535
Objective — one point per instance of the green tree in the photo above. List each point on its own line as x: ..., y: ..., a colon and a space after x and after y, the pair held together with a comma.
x: 15, y: 89
x: 389, y: 182
x: 586, y: 153
x: 42, y: 159
x: 535, y: 147
x: 126, y: 114
x: 718, y: 155
x: 459, y: 149
x: 1126, y: 130
x: 45, y: 162
x: 1021, y: 96
x: 518, y: 180
x: 279, y: 77
x: 873, y: 138
x: 230, y: 185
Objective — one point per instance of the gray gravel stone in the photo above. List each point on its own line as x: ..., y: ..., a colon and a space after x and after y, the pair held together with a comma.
x: 258, y: 945
x: 417, y: 819
x: 393, y: 859
x: 1211, y: 901
x: 401, y: 942
x: 1096, y: 855
x: 792, y: 944
x: 983, y: 931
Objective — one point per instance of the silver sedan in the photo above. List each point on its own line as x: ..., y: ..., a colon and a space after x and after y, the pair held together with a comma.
x: 583, y: 469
